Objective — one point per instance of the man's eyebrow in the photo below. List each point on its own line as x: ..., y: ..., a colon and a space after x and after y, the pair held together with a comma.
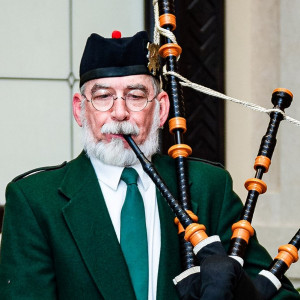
x: 138, y: 86
x: 98, y: 86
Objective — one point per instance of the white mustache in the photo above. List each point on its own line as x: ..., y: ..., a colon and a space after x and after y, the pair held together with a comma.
x: 124, y: 127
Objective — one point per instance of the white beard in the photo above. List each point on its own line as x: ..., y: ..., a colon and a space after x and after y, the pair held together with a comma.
x: 114, y: 152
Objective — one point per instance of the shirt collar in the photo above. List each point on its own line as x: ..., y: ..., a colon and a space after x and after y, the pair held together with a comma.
x: 110, y: 175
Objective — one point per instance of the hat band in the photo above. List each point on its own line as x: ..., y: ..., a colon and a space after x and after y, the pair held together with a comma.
x: 113, y: 72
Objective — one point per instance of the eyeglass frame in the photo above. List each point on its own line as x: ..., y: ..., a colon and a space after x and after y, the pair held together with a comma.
x: 123, y: 98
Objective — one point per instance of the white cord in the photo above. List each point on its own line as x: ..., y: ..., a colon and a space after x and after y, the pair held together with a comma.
x: 208, y: 91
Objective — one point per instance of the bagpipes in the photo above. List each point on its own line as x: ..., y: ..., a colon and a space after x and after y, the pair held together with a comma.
x: 193, y: 238
x: 209, y: 251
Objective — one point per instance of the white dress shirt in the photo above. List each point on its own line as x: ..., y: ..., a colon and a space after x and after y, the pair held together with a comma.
x: 114, y: 192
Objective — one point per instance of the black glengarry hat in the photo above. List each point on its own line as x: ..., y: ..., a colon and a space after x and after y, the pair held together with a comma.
x: 114, y: 57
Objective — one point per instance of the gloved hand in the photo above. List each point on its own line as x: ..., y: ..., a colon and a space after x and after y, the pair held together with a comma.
x: 220, y: 277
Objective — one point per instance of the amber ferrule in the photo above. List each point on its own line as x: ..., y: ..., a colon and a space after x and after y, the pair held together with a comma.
x: 191, y: 215
x: 169, y: 49
x: 262, y: 161
x: 177, y: 123
x: 287, y: 253
x: 195, y: 233
x: 180, y: 150
x: 167, y: 19
x: 242, y: 229
x: 284, y: 91
x: 256, y: 185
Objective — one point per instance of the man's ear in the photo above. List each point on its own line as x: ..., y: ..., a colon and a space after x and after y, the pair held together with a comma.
x: 77, y: 108
x: 164, y: 103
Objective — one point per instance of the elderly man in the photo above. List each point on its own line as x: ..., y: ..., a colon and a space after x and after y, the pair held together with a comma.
x: 83, y: 230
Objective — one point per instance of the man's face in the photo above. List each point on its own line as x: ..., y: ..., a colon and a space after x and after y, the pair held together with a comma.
x: 120, y: 86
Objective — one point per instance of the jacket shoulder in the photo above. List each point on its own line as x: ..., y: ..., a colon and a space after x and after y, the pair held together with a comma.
x: 205, y: 161
x: 198, y: 168
x: 161, y: 158
x: 39, y: 170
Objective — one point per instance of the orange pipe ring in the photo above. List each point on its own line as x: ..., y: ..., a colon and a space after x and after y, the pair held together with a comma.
x: 192, y: 215
x: 177, y: 123
x: 242, y: 234
x: 287, y: 253
x: 167, y: 19
x: 262, y: 161
x: 256, y: 184
x: 283, y: 90
x: 180, y: 150
x: 195, y: 233
x: 180, y: 227
x: 242, y: 229
x: 169, y: 49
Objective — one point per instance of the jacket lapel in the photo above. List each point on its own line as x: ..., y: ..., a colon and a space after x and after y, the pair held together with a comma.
x: 88, y: 219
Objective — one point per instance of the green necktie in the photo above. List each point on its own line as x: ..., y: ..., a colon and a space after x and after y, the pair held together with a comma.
x: 134, y: 235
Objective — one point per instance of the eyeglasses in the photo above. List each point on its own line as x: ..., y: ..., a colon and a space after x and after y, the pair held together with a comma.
x: 135, y: 100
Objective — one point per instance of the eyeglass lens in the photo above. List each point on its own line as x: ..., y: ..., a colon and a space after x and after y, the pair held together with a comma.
x: 135, y: 100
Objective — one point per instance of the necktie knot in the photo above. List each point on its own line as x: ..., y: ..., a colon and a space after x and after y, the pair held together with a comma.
x: 129, y: 176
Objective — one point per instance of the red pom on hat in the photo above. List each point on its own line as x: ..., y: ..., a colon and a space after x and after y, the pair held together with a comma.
x: 116, y: 34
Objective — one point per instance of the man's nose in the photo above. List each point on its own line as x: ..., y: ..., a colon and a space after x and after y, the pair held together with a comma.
x: 119, y: 110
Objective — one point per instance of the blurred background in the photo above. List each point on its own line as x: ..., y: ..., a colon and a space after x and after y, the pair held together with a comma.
x: 243, y: 48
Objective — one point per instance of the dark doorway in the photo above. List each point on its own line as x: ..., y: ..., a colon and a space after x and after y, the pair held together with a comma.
x: 200, y: 33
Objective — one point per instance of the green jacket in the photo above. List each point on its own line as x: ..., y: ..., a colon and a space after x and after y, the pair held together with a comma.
x: 58, y: 240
